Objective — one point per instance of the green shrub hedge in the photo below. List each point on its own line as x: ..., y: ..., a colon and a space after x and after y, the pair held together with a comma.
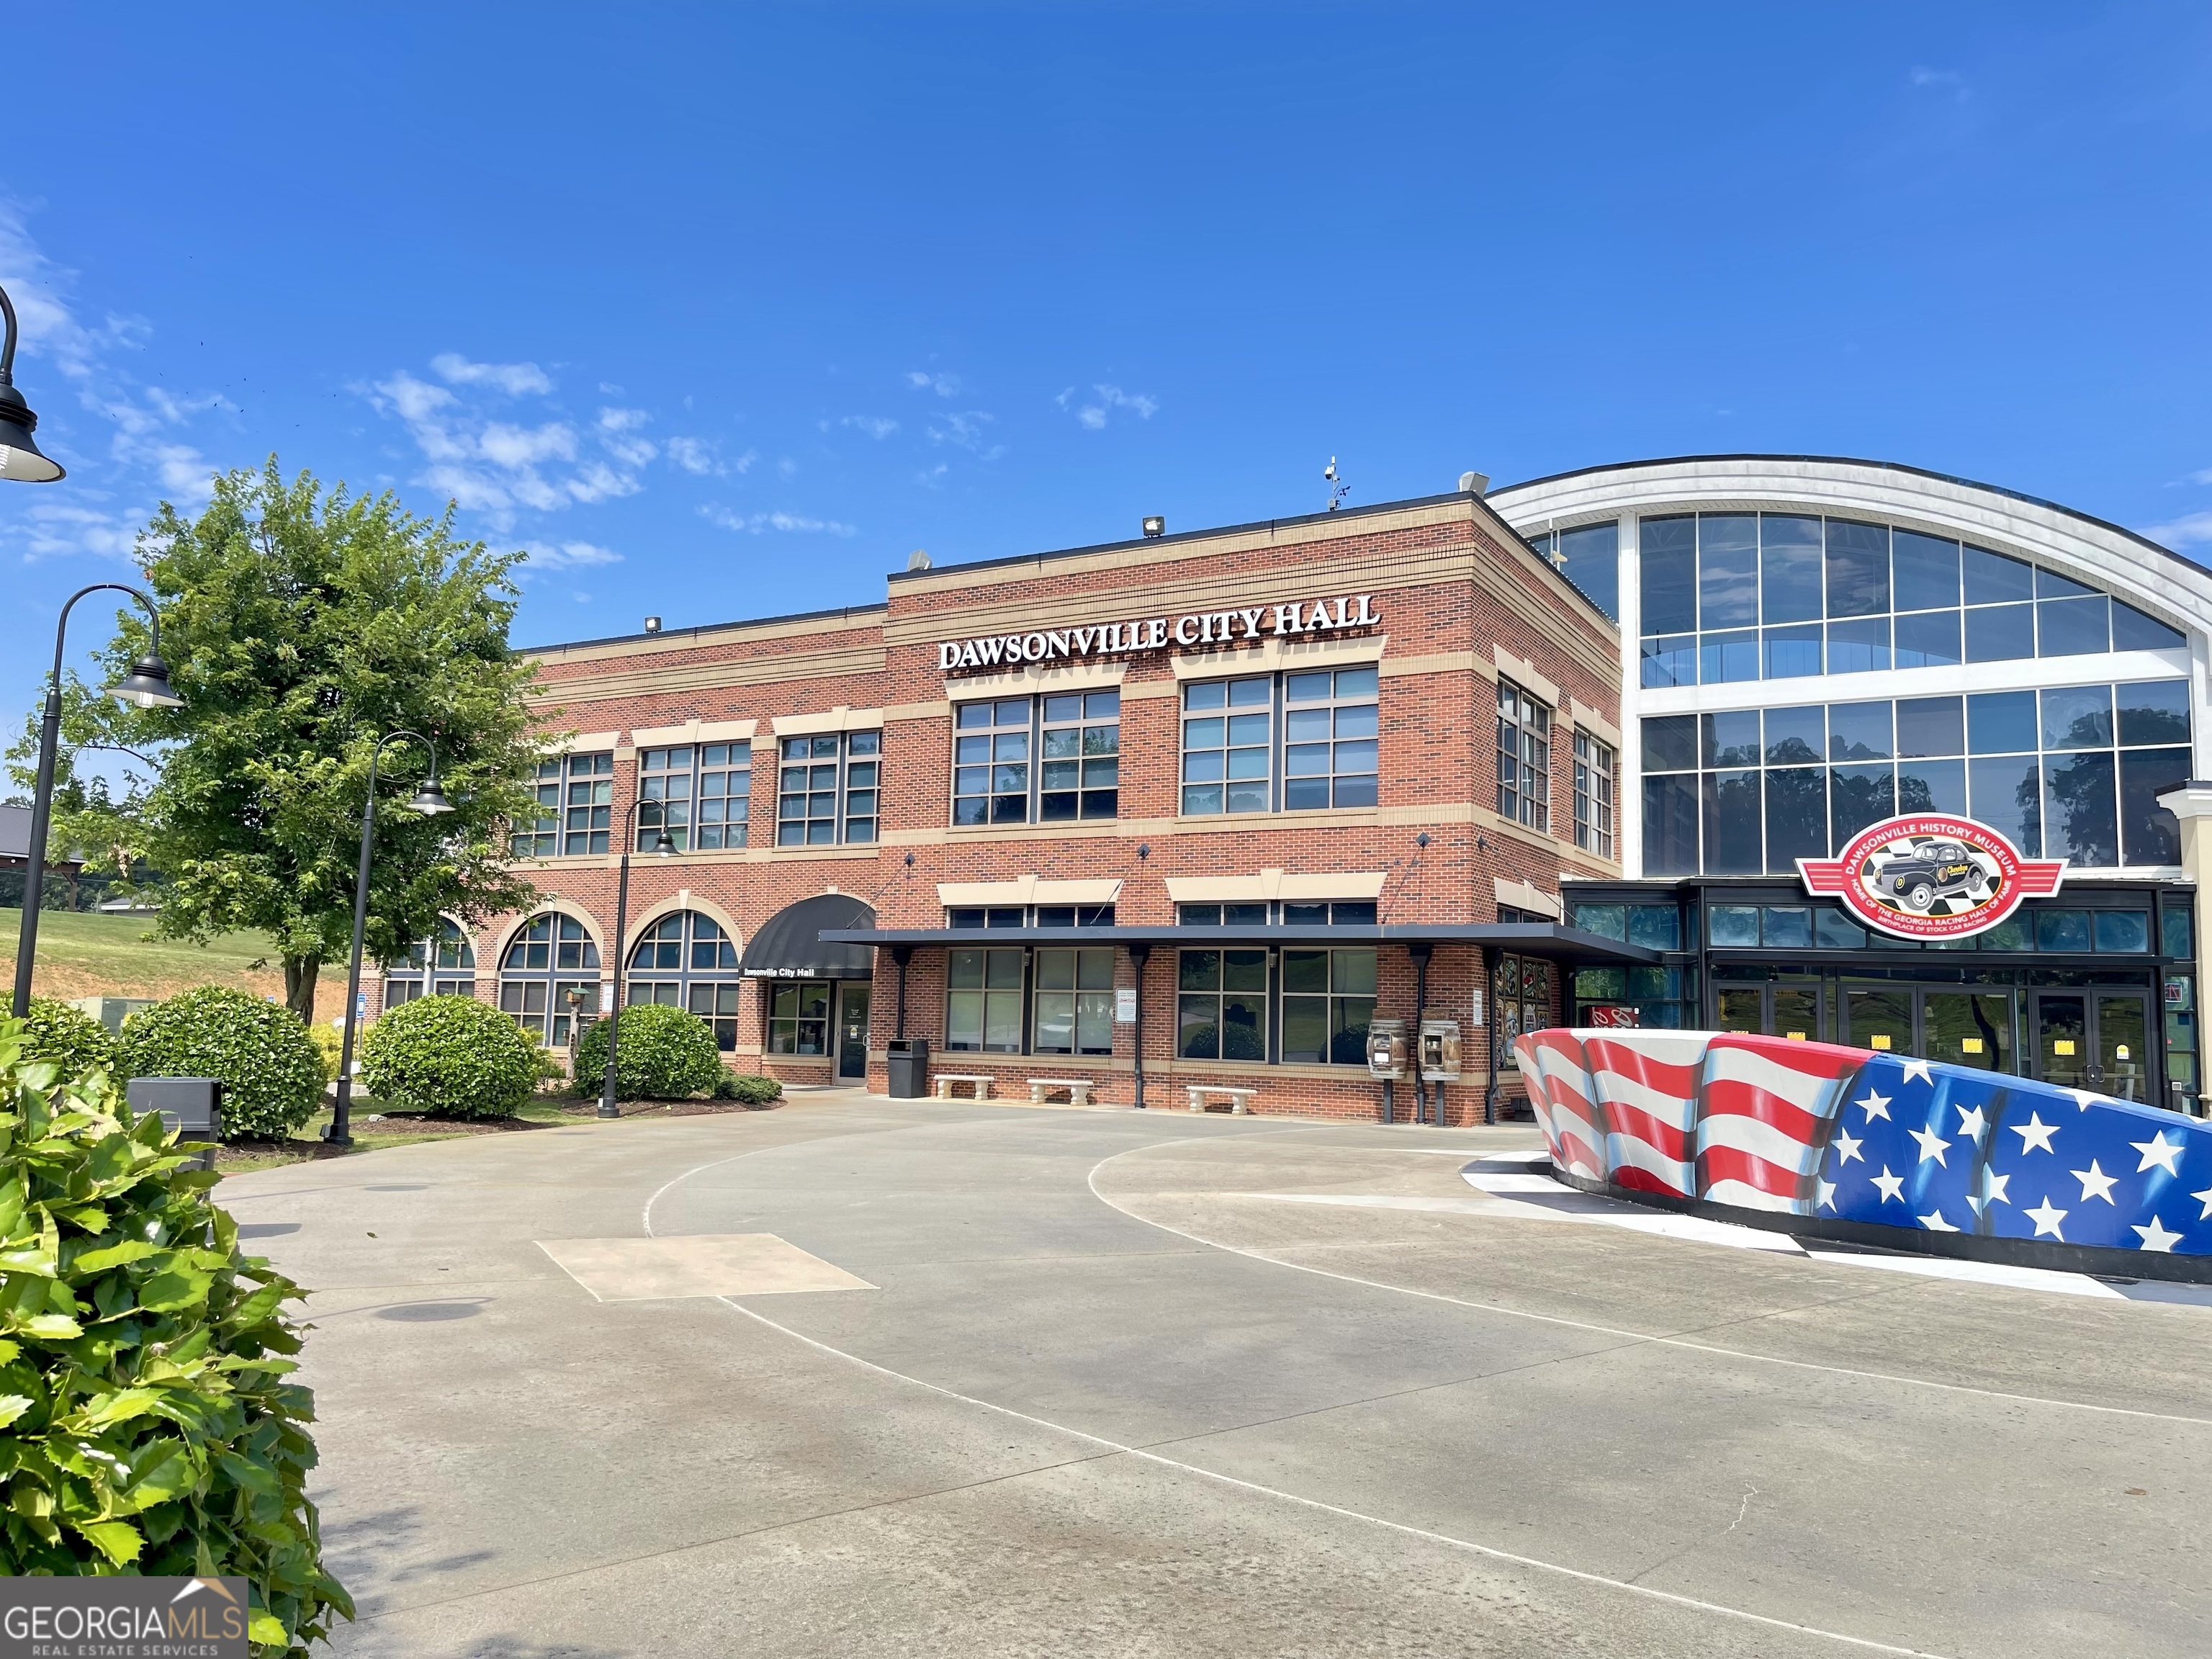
x: 69, y: 1037
x: 272, y: 1073
x: 146, y: 1425
x: 665, y: 1054
x: 750, y: 1090
x: 451, y: 1057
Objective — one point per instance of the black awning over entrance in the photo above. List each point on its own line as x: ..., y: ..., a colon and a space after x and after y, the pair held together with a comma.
x: 789, y: 944
x: 1567, y: 945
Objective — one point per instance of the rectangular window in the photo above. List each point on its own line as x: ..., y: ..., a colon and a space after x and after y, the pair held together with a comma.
x: 701, y: 794
x: 1075, y: 915
x: 1222, y: 916
x: 827, y: 789
x: 1228, y: 745
x: 983, y: 1001
x: 717, y: 1004
x: 1328, y: 998
x: 575, y: 803
x: 1080, y: 750
x: 1074, y: 1003
x: 1330, y: 736
x: 1593, y: 796
x: 995, y: 916
x: 539, y: 836
x: 1524, y: 757
x: 1523, y: 998
x: 1221, y: 1005
x: 991, y: 762
x: 799, y: 1019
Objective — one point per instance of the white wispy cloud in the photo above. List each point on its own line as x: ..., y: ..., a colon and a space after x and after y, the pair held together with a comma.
x: 515, y: 380
x: 2190, y: 530
x: 127, y: 445
x: 703, y: 456
x: 755, y: 524
x: 876, y: 426
x: 1091, y: 413
x: 500, y: 466
x: 945, y: 385
x: 966, y: 431
x: 568, y: 556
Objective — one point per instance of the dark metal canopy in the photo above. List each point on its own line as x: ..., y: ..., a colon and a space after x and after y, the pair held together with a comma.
x: 1526, y: 939
x: 814, y: 939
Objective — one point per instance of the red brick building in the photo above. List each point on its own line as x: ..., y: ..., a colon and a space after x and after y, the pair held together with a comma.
x: 1240, y: 791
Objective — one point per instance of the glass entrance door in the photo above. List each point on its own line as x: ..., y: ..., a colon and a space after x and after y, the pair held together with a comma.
x: 853, y: 1030
x: 1881, y: 1020
x: 1783, y: 1011
x: 2062, y: 1053
x: 2122, y: 1051
x: 1967, y: 1027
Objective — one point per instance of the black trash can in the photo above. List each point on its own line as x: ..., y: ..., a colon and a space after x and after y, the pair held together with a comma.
x: 910, y: 1068
x: 191, y: 1105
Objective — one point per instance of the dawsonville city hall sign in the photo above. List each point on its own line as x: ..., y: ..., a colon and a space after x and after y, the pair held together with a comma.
x: 1287, y: 621
x: 1932, y: 875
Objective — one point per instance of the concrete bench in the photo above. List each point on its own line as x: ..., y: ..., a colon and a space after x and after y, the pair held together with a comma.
x: 1079, y: 1090
x: 981, y: 1081
x: 1240, y: 1100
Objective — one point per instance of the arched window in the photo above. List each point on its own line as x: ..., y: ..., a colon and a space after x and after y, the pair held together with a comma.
x: 551, y: 955
x: 687, y: 960
x: 445, y: 966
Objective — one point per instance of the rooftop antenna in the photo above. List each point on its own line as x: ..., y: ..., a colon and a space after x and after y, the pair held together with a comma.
x: 1338, y: 490
x: 917, y: 560
x: 1552, y: 550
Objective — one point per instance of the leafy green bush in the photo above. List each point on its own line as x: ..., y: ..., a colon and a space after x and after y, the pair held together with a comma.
x: 752, y: 1090
x: 69, y: 1037
x: 146, y: 1425
x: 665, y: 1054
x: 451, y: 1057
x: 329, y: 1044
x: 273, y: 1074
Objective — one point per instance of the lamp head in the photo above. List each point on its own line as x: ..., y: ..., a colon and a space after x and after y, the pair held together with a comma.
x: 664, y: 846
x: 20, y: 458
x: 147, y: 685
x: 431, y: 800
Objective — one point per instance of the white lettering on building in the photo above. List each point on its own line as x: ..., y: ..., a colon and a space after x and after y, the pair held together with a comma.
x: 1291, y: 619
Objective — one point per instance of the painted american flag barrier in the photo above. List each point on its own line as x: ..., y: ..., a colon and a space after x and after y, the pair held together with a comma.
x: 1854, y: 1144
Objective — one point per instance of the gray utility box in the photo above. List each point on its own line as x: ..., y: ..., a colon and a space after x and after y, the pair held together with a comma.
x: 910, y: 1066
x: 192, y: 1106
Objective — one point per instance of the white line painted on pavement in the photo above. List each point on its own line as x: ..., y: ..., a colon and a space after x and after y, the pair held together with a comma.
x: 1610, y: 1330
x: 1691, y: 1603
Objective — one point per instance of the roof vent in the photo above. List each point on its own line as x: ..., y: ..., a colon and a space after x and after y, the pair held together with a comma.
x: 1473, y: 483
x: 1156, y: 525
x: 917, y: 560
x: 652, y: 624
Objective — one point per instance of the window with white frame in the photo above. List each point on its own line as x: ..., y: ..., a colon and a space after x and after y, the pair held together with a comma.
x: 1524, y: 757
x: 445, y: 966
x: 1289, y: 913
x: 1073, y: 1003
x: 689, y: 961
x: 827, y: 789
x: 587, y: 803
x: 1594, y: 762
x: 700, y: 793
x: 1052, y: 759
x: 1305, y: 740
x: 550, y: 956
x: 983, y: 1000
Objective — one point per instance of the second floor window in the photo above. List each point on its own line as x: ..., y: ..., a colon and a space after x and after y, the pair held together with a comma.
x: 700, y: 791
x: 1524, y: 757
x: 1305, y: 740
x: 1593, y: 796
x: 575, y: 808
x: 1053, y: 759
x: 827, y: 789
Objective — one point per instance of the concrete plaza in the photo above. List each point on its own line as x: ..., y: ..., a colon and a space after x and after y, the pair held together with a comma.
x: 861, y: 1377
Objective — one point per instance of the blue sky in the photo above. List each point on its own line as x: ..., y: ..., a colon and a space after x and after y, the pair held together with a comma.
x: 722, y: 311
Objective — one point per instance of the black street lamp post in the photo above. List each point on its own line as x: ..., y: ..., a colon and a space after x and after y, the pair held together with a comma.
x: 429, y: 800
x: 19, y: 460
x: 662, y: 848
x: 147, y: 686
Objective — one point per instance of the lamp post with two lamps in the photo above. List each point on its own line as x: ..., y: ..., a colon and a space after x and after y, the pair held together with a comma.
x: 147, y: 686
x: 663, y: 847
x: 430, y: 801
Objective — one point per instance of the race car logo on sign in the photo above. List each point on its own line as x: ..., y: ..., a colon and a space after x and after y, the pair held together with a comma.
x: 1930, y: 875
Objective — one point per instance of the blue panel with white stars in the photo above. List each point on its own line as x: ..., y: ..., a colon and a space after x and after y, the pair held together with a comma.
x: 1942, y: 1148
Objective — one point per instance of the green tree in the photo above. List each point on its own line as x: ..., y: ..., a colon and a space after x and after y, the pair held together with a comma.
x: 300, y: 624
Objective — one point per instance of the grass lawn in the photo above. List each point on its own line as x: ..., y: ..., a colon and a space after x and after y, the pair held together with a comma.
x: 83, y: 954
